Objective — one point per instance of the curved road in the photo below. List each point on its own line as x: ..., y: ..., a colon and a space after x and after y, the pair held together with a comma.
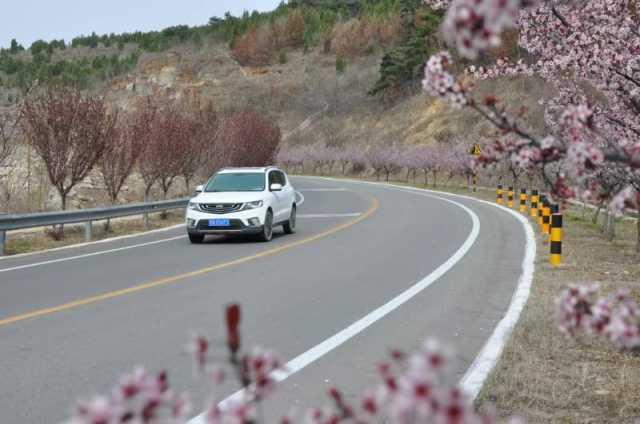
x: 72, y: 320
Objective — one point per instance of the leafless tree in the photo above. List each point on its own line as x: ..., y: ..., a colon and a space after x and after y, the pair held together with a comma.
x: 70, y: 132
x: 9, y: 132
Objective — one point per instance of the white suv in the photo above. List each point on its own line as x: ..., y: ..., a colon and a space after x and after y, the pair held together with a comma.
x: 242, y: 201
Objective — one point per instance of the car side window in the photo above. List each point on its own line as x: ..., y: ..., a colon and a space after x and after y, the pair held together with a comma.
x: 283, y: 178
x: 275, y: 178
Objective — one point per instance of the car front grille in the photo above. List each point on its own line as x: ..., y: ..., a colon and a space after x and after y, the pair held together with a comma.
x: 220, y: 208
x: 234, y: 224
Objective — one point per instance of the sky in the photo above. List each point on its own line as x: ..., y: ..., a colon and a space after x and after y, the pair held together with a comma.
x: 30, y: 20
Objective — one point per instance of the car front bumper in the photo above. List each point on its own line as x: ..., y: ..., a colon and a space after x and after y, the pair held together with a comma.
x: 242, y: 222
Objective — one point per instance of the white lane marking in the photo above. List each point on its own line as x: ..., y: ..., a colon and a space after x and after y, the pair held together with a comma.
x: 324, y: 189
x: 479, y: 371
x: 318, y: 351
x: 486, y: 360
x: 88, y: 255
x: 329, y: 215
x: 107, y: 240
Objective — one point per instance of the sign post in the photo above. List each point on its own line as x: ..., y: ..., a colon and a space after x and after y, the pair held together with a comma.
x: 475, y: 151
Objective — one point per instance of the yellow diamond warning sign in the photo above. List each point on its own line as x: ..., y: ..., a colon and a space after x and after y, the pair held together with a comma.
x: 475, y: 150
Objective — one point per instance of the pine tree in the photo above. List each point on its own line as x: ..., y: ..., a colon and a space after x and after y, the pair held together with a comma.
x: 15, y: 47
x: 402, y: 66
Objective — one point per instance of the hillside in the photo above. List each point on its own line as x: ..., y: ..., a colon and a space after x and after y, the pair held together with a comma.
x: 313, y: 78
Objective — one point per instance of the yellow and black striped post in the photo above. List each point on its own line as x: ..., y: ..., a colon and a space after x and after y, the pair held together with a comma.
x: 510, y: 204
x: 475, y: 183
x: 534, y: 203
x: 546, y: 218
x: 541, y: 205
x: 556, y: 239
x: 499, y: 195
x: 523, y: 200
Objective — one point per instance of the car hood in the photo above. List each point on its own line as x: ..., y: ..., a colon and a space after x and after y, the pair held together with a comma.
x: 229, y: 197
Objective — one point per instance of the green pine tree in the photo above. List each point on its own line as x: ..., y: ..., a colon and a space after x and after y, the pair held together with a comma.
x: 402, y: 66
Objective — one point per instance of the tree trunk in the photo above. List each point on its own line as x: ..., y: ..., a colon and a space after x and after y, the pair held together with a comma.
x: 426, y: 177
x: 387, y: 174
x: 147, y: 191
x: 638, y: 231
x: 611, y: 226
x: 594, y: 219
x: 60, y: 230
x: 435, y: 179
x: 605, y: 222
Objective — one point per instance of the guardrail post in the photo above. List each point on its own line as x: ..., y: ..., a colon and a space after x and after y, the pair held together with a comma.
x: 534, y: 203
x: 556, y: 239
x: 523, y: 200
x: 88, y: 230
x: 499, y: 194
x: 475, y: 183
x: 3, y: 240
x: 146, y: 221
x: 510, y: 204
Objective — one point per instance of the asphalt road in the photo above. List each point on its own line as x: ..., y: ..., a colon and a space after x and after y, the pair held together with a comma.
x: 73, y: 320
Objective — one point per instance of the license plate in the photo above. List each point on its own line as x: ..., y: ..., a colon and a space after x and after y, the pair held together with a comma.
x: 219, y: 223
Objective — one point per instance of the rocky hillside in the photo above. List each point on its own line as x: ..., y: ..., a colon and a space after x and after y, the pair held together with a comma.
x: 316, y: 92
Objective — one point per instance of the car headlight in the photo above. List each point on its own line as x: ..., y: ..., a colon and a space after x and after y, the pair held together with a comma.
x: 194, y: 206
x: 252, y: 205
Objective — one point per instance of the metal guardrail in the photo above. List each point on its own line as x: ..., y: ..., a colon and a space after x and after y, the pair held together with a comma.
x: 14, y: 222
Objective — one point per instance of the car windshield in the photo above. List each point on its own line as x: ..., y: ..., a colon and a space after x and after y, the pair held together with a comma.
x: 241, y: 181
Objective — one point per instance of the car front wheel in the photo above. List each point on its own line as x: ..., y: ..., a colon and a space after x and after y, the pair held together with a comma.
x: 196, y: 238
x: 290, y: 226
x: 267, y: 228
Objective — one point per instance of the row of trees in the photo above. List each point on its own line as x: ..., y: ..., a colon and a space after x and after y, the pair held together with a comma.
x: 592, y: 146
x: 22, y: 73
x: 430, y: 161
x: 160, y: 139
x: 261, y: 39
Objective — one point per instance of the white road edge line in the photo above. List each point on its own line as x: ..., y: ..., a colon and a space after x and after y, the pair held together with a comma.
x: 324, y: 189
x: 318, y: 351
x: 107, y: 240
x: 301, y: 201
x: 329, y: 215
x: 88, y: 255
x: 486, y: 360
x: 73, y: 246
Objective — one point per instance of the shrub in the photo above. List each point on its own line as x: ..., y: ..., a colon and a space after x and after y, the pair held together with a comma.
x: 351, y: 38
x: 255, y: 47
x: 249, y: 138
x: 295, y: 29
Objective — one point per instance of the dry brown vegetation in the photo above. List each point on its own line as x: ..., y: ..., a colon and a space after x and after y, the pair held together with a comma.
x: 357, y: 37
x: 548, y: 378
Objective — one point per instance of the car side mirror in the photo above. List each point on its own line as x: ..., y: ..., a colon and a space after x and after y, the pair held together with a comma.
x: 276, y: 187
x: 199, y: 189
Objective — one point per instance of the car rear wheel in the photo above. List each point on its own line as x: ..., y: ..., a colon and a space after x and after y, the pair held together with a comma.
x: 290, y: 226
x: 196, y: 238
x: 267, y: 228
